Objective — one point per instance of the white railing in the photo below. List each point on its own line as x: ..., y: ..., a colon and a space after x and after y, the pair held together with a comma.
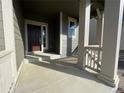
x: 5, y: 71
x: 93, y: 57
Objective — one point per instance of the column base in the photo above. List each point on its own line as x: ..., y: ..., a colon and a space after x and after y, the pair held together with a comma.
x: 109, y: 81
x: 79, y: 66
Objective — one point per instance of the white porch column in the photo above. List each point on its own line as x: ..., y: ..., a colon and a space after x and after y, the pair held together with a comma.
x: 111, y: 41
x: 84, y: 22
x: 61, y: 18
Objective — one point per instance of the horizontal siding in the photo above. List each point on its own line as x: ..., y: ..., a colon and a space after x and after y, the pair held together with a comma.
x: 64, y: 35
x: 5, y: 71
x: 68, y: 44
x: 19, y: 33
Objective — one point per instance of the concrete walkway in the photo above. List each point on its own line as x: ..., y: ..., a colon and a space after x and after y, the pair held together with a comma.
x: 50, y: 77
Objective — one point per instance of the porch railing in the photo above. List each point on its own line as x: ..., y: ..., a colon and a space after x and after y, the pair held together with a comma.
x: 93, y: 57
x: 75, y: 52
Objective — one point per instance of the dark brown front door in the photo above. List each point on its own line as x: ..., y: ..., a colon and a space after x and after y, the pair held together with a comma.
x: 34, y: 38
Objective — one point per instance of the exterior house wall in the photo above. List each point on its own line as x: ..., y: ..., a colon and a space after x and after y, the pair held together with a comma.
x: 38, y: 18
x: 122, y: 38
x: 93, y: 30
x: 72, y: 42
x: 8, y: 72
x: 68, y: 44
x: 19, y: 33
x: 64, y: 34
x: 52, y: 30
x: 51, y: 35
x: 2, y: 42
x: 57, y: 34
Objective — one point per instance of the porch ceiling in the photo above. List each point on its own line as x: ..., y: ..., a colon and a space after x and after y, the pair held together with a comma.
x: 49, y: 8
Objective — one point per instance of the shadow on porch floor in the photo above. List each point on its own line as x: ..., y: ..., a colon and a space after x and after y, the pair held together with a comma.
x: 57, y: 77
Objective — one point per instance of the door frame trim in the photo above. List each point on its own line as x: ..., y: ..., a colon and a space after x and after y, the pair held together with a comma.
x: 36, y: 23
x: 46, y: 37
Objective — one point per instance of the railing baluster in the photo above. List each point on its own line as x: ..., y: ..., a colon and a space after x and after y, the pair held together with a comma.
x: 93, y: 57
x: 86, y: 57
x: 94, y: 64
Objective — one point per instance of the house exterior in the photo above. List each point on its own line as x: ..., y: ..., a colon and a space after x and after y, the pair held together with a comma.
x: 122, y: 38
x: 27, y: 26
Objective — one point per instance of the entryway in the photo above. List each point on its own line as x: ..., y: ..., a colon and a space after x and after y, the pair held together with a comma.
x: 36, y: 36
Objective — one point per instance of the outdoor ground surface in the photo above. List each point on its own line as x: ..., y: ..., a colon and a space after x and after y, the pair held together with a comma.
x: 58, y: 77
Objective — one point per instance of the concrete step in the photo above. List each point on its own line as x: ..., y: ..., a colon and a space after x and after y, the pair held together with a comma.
x: 35, y: 57
x: 121, y: 55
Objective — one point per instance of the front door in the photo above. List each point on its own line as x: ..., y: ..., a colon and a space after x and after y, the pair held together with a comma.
x: 34, y: 38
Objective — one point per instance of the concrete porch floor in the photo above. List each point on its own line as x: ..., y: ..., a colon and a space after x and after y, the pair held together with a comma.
x: 53, y: 77
x: 121, y: 76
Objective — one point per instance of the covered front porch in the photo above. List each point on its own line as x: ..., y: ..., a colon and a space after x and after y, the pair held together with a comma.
x: 101, y: 57
x: 58, y: 76
x: 46, y: 52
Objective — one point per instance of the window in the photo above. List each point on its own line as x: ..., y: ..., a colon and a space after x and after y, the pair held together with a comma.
x: 72, y: 24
